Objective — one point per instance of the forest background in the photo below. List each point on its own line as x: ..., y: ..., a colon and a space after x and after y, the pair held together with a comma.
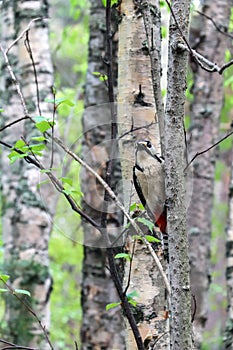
x: 67, y: 23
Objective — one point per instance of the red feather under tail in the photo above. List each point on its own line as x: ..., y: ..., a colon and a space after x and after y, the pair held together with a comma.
x: 161, y: 222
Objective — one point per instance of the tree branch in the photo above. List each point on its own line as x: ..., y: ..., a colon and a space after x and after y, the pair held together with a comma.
x: 200, y: 59
x: 218, y: 27
x: 32, y: 312
x: 208, y: 149
x: 22, y: 33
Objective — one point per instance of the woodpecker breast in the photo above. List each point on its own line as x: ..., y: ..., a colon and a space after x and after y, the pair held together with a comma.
x: 149, y: 181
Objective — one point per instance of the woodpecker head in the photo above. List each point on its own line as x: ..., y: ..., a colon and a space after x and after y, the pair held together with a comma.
x: 145, y: 150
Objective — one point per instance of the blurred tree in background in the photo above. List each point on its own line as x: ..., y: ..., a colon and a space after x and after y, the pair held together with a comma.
x: 72, y: 23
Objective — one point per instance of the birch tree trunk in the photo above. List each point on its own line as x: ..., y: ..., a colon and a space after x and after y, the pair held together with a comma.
x: 26, y: 218
x: 137, y: 110
x: 100, y: 328
x: 180, y: 303
x: 203, y: 132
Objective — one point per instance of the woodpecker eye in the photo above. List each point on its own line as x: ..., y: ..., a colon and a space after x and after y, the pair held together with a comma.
x: 149, y: 145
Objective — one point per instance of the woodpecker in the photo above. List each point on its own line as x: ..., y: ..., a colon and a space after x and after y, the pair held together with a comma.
x: 148, y: 178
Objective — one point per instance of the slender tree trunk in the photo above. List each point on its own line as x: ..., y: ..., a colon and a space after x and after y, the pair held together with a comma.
x: 228, y: 337
x: 137, y: 110
x: 26, y: 218
x: 100, y: 328
x: 180, y: 304
x: 204, y: 131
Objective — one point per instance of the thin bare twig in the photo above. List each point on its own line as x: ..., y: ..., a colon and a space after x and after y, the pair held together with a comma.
x: 130, y: 267
x: 29, y: 50
x: 14, y: 346
x: 194, y: 307
x: 22, y: 33
x: 12, y: 291
x: 218, y: 27
x: 52, y: 126
x: 208, y: 149
x: 160, y: 336
x: 132, y: 129
x: 15, y: 81
x: 12, y: 123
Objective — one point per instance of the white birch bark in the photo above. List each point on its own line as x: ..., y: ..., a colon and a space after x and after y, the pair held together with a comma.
x: 137, y: 110
x: 27, y: 220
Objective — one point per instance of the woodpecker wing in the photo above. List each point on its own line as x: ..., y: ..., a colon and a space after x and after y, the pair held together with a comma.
x: 140, y: 193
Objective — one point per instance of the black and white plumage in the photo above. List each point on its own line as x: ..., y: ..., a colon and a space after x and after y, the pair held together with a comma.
x: 148, y: 177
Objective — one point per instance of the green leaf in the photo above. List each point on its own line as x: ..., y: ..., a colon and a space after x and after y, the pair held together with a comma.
x: 147, y: 223
x: 64, y: 101
x: 41, y: 118
x: 44, y: 171
x: 133, y: 302
x: 18, y: 291
x: 67, y: 180
x: 59, y: 101
x: 133, y: 294
x: 13, y: 156
x: 22, y: 291
x: 123, y: 256
x: 133, y: 207
x: 19, y: 144
x: 44, y: 126
x: 1, y: 110
x: 37, y: 147
x: 112, y: 305
x: 101, y: 76
x: 49, y: 100
x: 141, y: 206
x: 136, y: 206
x: 151, y: 239
x: 39, y: 138
x: 71, y: 191
x: 4, y: 278
x: 113, y: 2
x: 137, y: 237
